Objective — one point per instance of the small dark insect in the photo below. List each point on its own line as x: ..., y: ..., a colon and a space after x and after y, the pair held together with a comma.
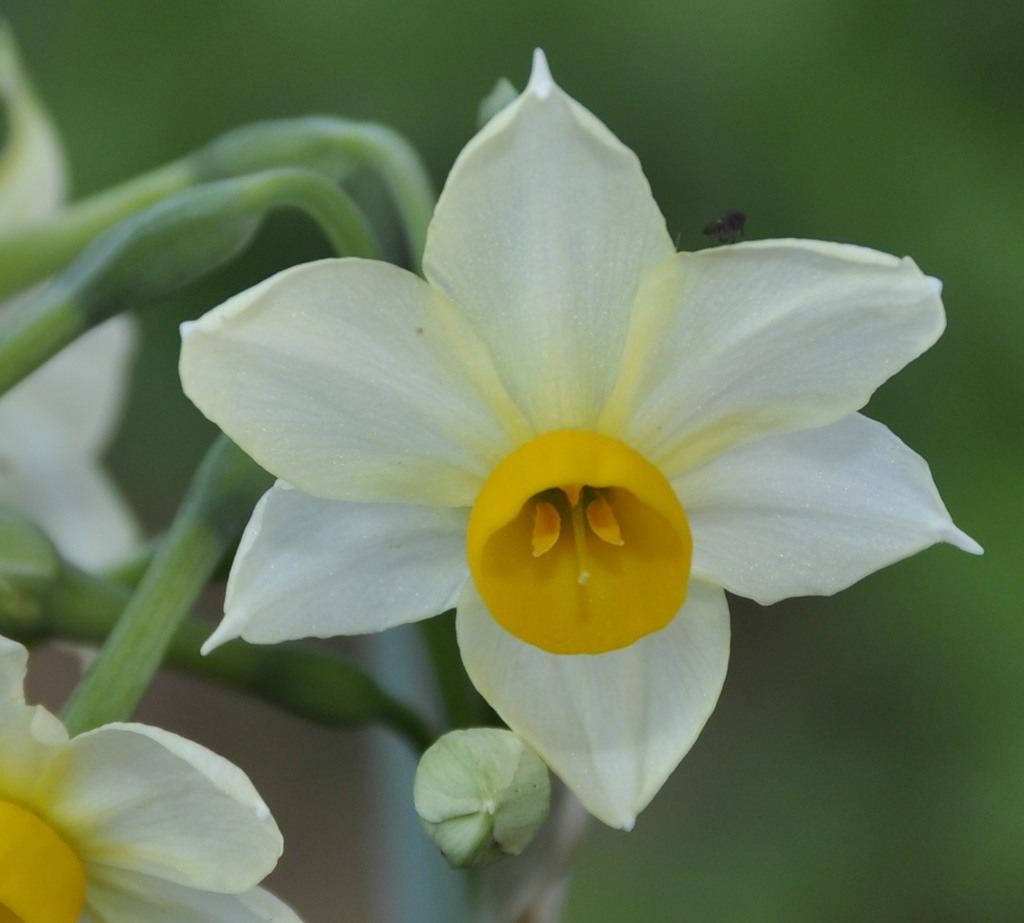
x: 727, y: 228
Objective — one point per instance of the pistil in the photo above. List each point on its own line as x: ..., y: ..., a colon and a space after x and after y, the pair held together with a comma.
x: 579, y: 538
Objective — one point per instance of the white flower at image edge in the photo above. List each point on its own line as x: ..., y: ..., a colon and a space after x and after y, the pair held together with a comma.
x: 575, y: 435
x: 55, y: 425
x: 124, y: 824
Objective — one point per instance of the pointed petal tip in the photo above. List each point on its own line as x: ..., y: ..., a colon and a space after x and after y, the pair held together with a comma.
x: 221, y: 635
x: 187, y: 328
x: 541, y: 82
x: 962, y: 541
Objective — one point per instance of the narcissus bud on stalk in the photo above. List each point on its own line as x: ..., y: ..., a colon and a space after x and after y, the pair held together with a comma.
x: 482, y: 795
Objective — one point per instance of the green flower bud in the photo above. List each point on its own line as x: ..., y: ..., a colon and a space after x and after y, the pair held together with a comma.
x: 481, y: 794
x: 162, y: 248
x: 158, y: 250
x: 29, y: 564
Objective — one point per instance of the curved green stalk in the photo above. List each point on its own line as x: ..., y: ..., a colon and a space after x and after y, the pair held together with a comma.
x: 406, y: 178
x: 332, y: 148
x: 306, y: 680
x: 459, y: 699
x: 162, y: 249
x: 334, y: 212
x: 212, y: 516
x: 31, y: 255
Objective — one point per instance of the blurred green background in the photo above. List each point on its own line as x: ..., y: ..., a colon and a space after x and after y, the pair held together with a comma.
x: 866, y: 761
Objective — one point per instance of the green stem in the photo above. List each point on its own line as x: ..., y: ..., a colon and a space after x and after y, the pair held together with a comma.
x: 406, y: 178
x: 332, y: 147
x: 162, y: 249
x: 329, y: 147
x: 213, y: 514
x: 35, y: 253
x: 303, y: 679
x: 131, y: 570
x: 31, y: 336
x: 306, y: 680
x: 334, y: 212
x: 81, y: 606
x: 458, y: 697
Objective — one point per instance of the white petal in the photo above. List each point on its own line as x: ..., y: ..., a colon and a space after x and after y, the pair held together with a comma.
x: 76, y: 504
x: 32, y: 740
x: 735, y: 343
x: 812, y: 512
x: 13, y: 666
x: 612, y: 726
x: 124, y: 897
x: 352, y: 380
x: 53, y: 427
x: 73, y: 403
x: 143, y: 800
x: 541, y: 235
x: 54, y: 424
x: 30, y: 737
x: 266, y: 907
x: 308, y: 567
x: 32, y: 172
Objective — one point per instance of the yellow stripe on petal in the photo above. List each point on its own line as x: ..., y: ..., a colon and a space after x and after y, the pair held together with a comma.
x: 578, y: 544
x: 41, y: 878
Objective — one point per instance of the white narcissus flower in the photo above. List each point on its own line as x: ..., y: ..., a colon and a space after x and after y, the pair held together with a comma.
x: 576, y: 435
x: 55, y: 425
x: 124, y: 824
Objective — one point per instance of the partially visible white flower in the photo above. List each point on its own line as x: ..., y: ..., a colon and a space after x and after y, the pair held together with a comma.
x: 577, y: 436
x: 56, y: 424
x: 124, y: 824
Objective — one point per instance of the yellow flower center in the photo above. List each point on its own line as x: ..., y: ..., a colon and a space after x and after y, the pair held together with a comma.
x: 578, y: 544
x: 41, y: 878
